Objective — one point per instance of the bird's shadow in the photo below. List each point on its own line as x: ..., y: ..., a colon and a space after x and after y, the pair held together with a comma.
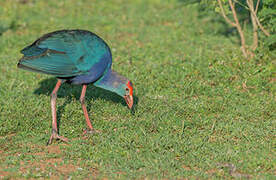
x: 70, y: 92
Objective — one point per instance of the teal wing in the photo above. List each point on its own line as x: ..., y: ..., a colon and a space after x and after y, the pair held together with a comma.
x: 66, y: 53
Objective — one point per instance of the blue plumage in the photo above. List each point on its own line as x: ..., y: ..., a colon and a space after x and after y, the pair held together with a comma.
x: 68, y: 53
x: 76, y: 57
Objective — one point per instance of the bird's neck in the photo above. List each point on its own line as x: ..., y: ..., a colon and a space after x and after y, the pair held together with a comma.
x: 112, y: 81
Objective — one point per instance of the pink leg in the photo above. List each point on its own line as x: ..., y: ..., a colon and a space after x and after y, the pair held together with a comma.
x: 54, y: 115
x: 82, y: 100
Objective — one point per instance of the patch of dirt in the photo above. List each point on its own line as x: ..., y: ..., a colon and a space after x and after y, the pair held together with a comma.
x: 66, y: 168
x: 54, y: 149
x: 4, y: 174
x: 44, y: 165
x: 41, y: 154
x: 273, y: 79
x: 187, y: 168
x: 48, y: 161
x: 9, y: 136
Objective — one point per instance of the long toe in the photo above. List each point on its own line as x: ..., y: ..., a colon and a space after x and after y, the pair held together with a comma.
x: 57, y: 137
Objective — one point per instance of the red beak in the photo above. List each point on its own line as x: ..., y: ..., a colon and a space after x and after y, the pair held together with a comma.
x: 129, y: 100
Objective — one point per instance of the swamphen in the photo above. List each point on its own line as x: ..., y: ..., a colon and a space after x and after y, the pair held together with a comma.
x: 76, y: 57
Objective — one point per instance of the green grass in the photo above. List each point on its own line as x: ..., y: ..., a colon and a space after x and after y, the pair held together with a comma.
x: 202, y: 110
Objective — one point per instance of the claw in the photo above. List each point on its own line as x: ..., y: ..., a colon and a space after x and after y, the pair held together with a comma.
x: 56, y: 136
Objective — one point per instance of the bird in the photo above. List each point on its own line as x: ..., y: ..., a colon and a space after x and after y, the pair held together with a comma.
x: 77, y: 57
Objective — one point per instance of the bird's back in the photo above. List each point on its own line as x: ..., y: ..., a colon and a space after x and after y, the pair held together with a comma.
x: 68, y: 53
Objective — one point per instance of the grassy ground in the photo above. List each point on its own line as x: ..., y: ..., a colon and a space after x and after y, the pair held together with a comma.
x: 202, y: 111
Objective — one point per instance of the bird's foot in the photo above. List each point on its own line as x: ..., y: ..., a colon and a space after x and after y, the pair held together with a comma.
x: 90, y: 131
x: 56, y: 136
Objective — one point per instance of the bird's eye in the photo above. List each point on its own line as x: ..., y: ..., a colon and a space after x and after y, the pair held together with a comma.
x: 127, y: 89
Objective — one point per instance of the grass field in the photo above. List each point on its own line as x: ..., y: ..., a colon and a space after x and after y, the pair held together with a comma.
x: 201, y: 111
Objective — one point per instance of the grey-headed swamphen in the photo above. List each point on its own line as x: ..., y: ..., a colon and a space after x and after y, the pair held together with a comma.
x: 77, y: 57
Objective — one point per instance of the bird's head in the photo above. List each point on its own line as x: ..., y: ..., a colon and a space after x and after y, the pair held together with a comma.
x: 129, y: 94
x: 119, y: 84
